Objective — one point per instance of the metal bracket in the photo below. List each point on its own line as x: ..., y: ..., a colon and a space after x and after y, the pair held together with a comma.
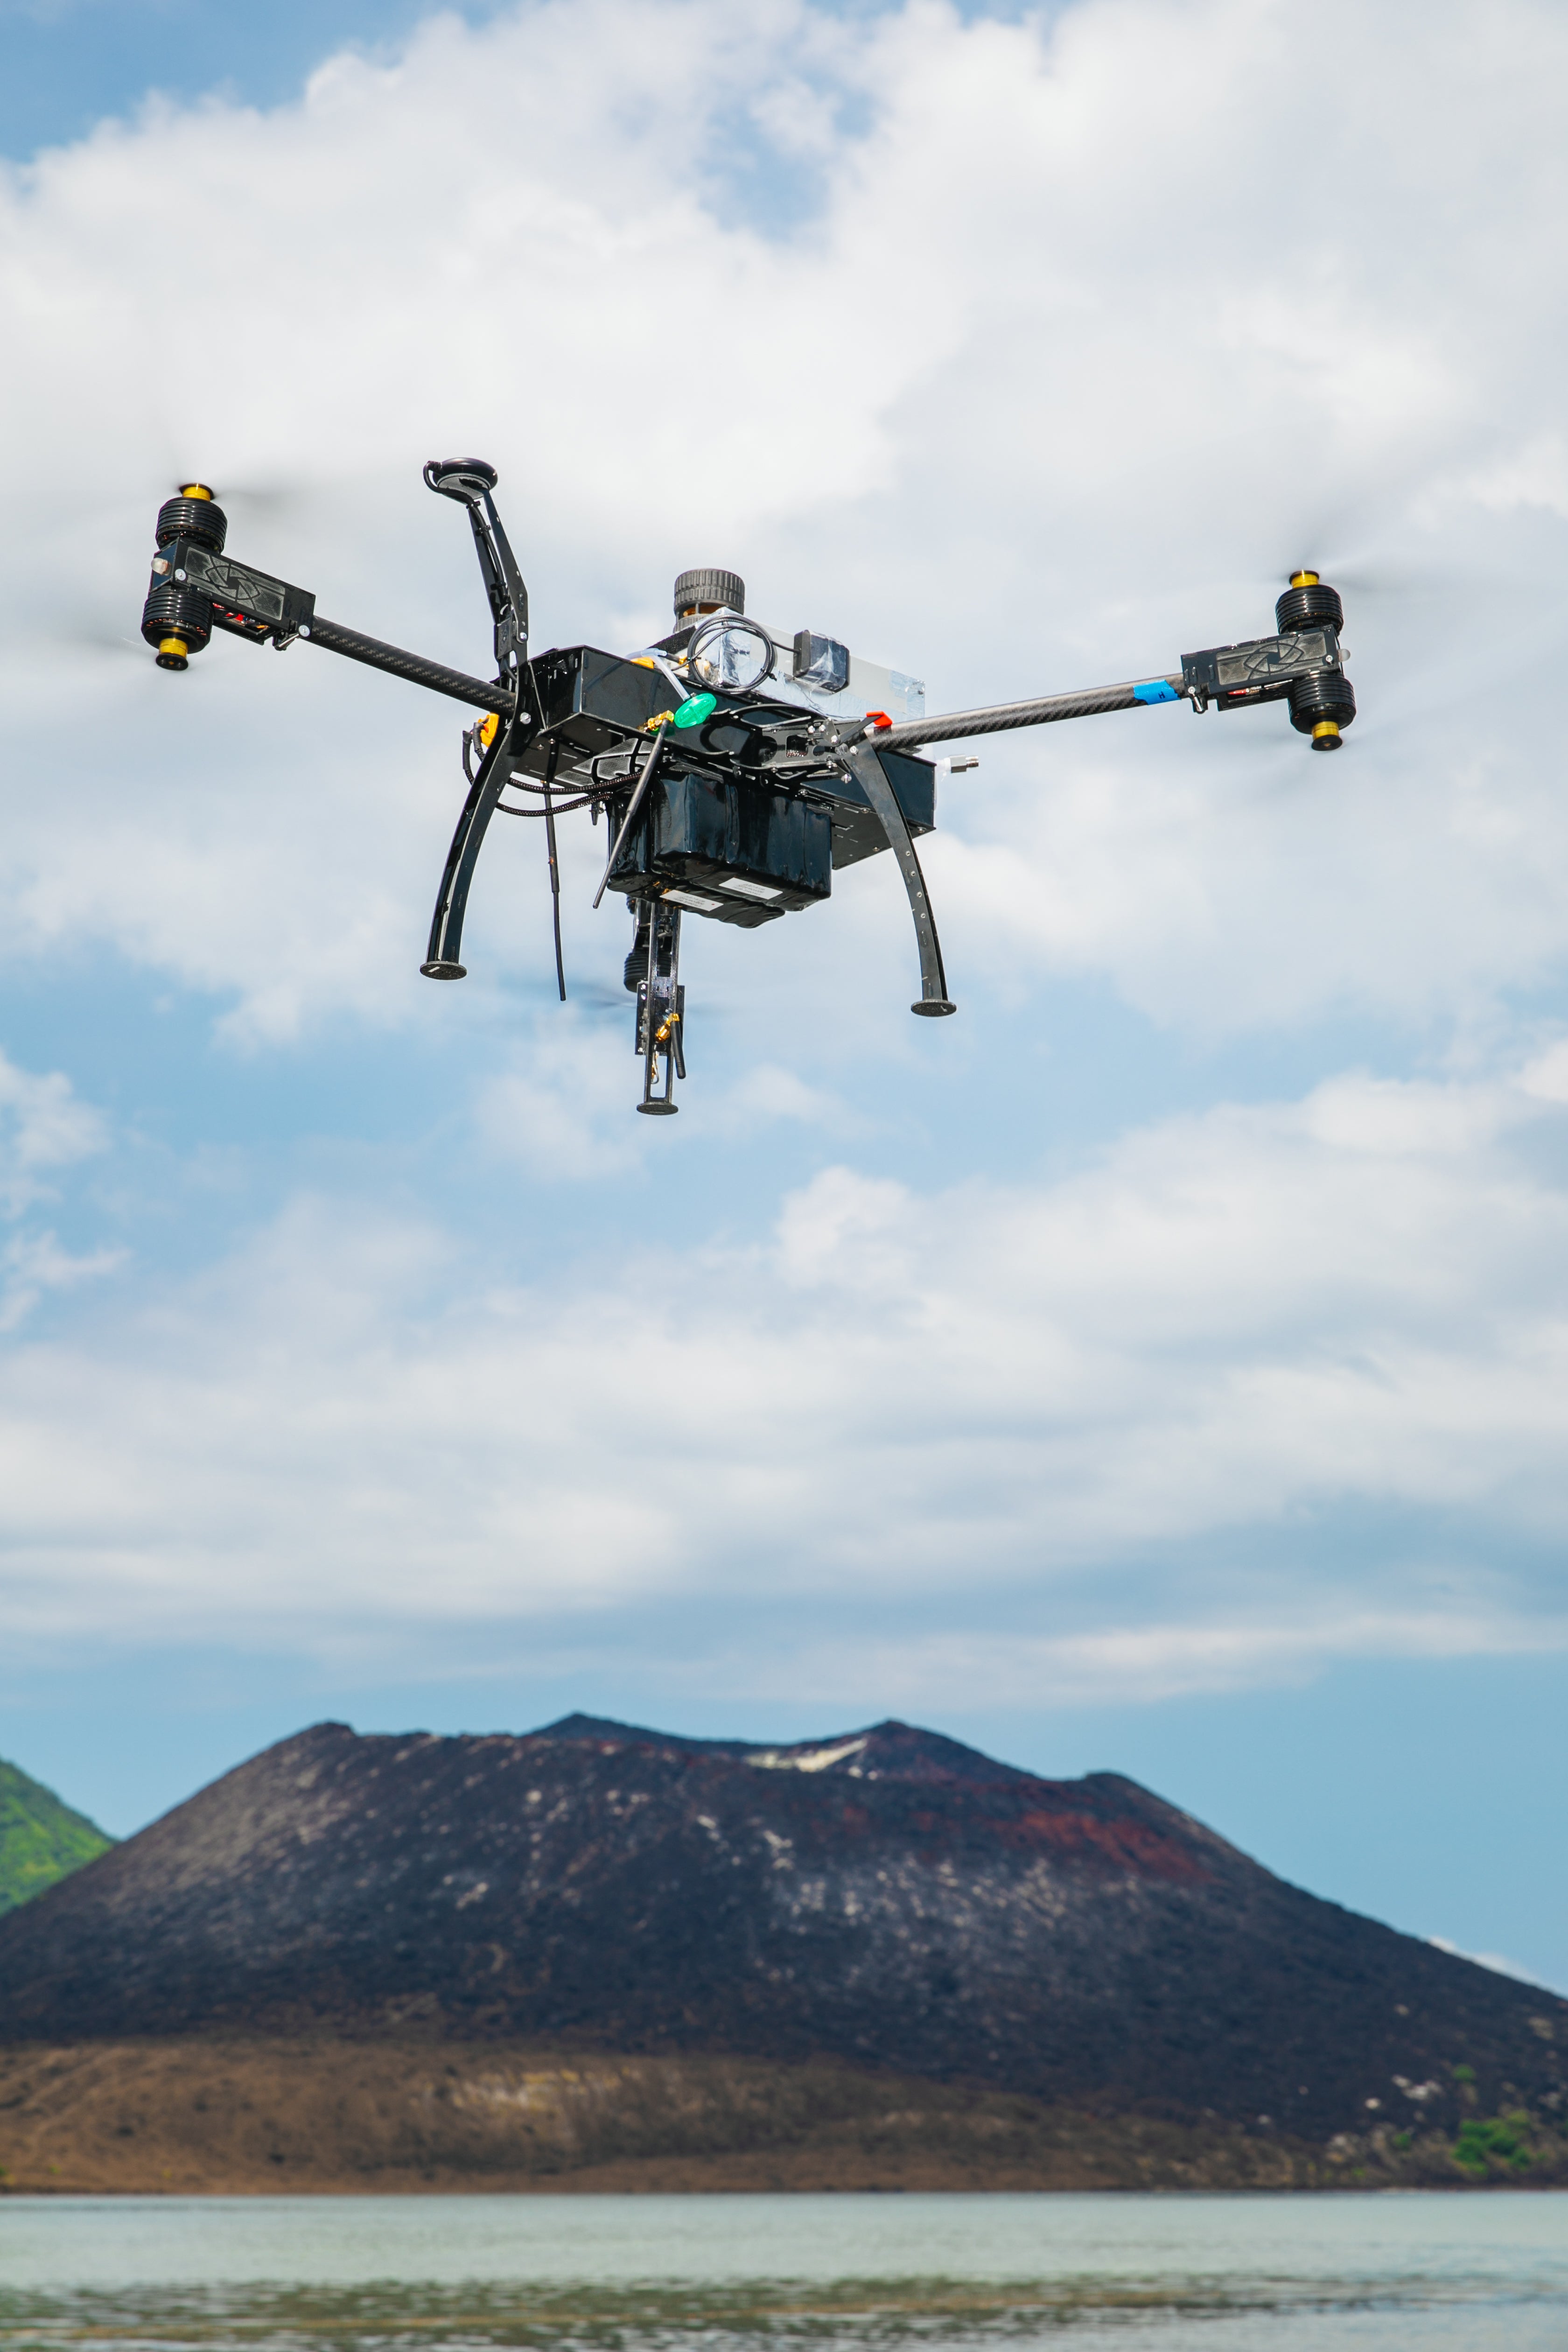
x: 661, y: 1010
x: 471, y: 482
x: 861, y: 760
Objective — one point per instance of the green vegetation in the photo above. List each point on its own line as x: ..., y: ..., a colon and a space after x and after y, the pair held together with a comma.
x: 1502, y: 2138
x: 40, y: 1839
x: 1463, y: 2074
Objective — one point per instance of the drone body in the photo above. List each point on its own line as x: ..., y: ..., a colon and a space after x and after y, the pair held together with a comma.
x: 737, y: 768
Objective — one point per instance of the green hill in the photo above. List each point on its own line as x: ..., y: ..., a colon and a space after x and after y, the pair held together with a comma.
x: 40, y: 1839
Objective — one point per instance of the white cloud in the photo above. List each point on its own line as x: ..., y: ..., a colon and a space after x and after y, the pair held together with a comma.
x: 1067, y: 365
x: 559, y: 1104
x: 768, y: 1093
x: 44, y: 1126
x: 1547, y: 1074
x: 1068, y: 355
x: 1145, y: 1663
x: 1504, y: 1968
x: 1534, y: 475
x: 32, y: 1264
x: 985, y: 1400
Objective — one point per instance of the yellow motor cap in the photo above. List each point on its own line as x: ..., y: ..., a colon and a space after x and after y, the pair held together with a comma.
x: 1304, y: 579
x: 195, y: 490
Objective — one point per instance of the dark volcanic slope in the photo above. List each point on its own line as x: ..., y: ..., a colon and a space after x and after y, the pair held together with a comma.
x: 890, y: 1896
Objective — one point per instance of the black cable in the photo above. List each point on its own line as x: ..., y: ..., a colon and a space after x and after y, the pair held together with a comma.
x: 589, y: 801
x: 554, y: 893
x: 650, y: 766
x: 594, y: 792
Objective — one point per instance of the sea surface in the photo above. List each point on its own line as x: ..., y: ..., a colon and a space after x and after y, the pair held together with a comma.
x: 1205, y: 2274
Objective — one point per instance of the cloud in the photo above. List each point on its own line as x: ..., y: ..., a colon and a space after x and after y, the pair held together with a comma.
x: 1021, y: 354
x: 767, y: 1093
x: 1047, y: 375
x: 558, y: 1106
x: 1074, y: 1429
x: 43, y: 1128
x: 1504, y: 1968
x: 32, y: 1264
x: 1279, y: 1647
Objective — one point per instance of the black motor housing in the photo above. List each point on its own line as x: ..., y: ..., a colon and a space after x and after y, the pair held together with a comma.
x: 1321, y: 705
x: 177, y: 621
x: 1313, y: 605
x: 201, y: 520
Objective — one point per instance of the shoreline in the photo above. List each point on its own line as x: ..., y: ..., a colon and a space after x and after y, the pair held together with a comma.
x: 249, y: 2114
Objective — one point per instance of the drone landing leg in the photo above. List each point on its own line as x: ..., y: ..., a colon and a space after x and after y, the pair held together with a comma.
x: 869, y: 774
x: 443, y: 957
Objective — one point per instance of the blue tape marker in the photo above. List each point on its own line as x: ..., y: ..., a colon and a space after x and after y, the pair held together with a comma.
x: 1157, y: 690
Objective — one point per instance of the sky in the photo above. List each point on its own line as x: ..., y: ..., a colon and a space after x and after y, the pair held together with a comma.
x: 1159, y: 1367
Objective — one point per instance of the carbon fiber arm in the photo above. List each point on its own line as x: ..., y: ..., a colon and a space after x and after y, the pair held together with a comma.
x: 415, y: 667
x: 997, y: 717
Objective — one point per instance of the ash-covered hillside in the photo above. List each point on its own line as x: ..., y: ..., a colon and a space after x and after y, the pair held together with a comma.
x: 888, y: 1897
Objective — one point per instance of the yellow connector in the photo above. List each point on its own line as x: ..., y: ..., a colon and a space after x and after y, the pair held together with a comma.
x: 488, y: 730
x: 1326, y: 735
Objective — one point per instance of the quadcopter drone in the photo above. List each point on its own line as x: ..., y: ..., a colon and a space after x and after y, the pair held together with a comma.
x: 737, y: 768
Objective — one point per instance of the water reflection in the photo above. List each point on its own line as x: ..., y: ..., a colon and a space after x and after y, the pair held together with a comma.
x: 1450, y: 2272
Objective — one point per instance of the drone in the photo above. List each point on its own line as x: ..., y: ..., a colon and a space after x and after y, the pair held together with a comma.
x: 737, y: 768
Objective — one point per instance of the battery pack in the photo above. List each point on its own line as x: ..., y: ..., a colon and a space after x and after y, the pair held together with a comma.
x: 735, y: 851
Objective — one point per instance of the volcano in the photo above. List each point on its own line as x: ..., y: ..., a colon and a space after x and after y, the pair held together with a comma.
x: 888, y: 1899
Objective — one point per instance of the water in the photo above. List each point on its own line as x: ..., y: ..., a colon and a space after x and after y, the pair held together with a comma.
x: 841, y: 2273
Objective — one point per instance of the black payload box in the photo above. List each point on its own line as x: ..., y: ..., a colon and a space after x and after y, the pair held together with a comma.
x: 734, y: 850
x: 856, y: 828
x: 716, y: 833
x: 592, y: 700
